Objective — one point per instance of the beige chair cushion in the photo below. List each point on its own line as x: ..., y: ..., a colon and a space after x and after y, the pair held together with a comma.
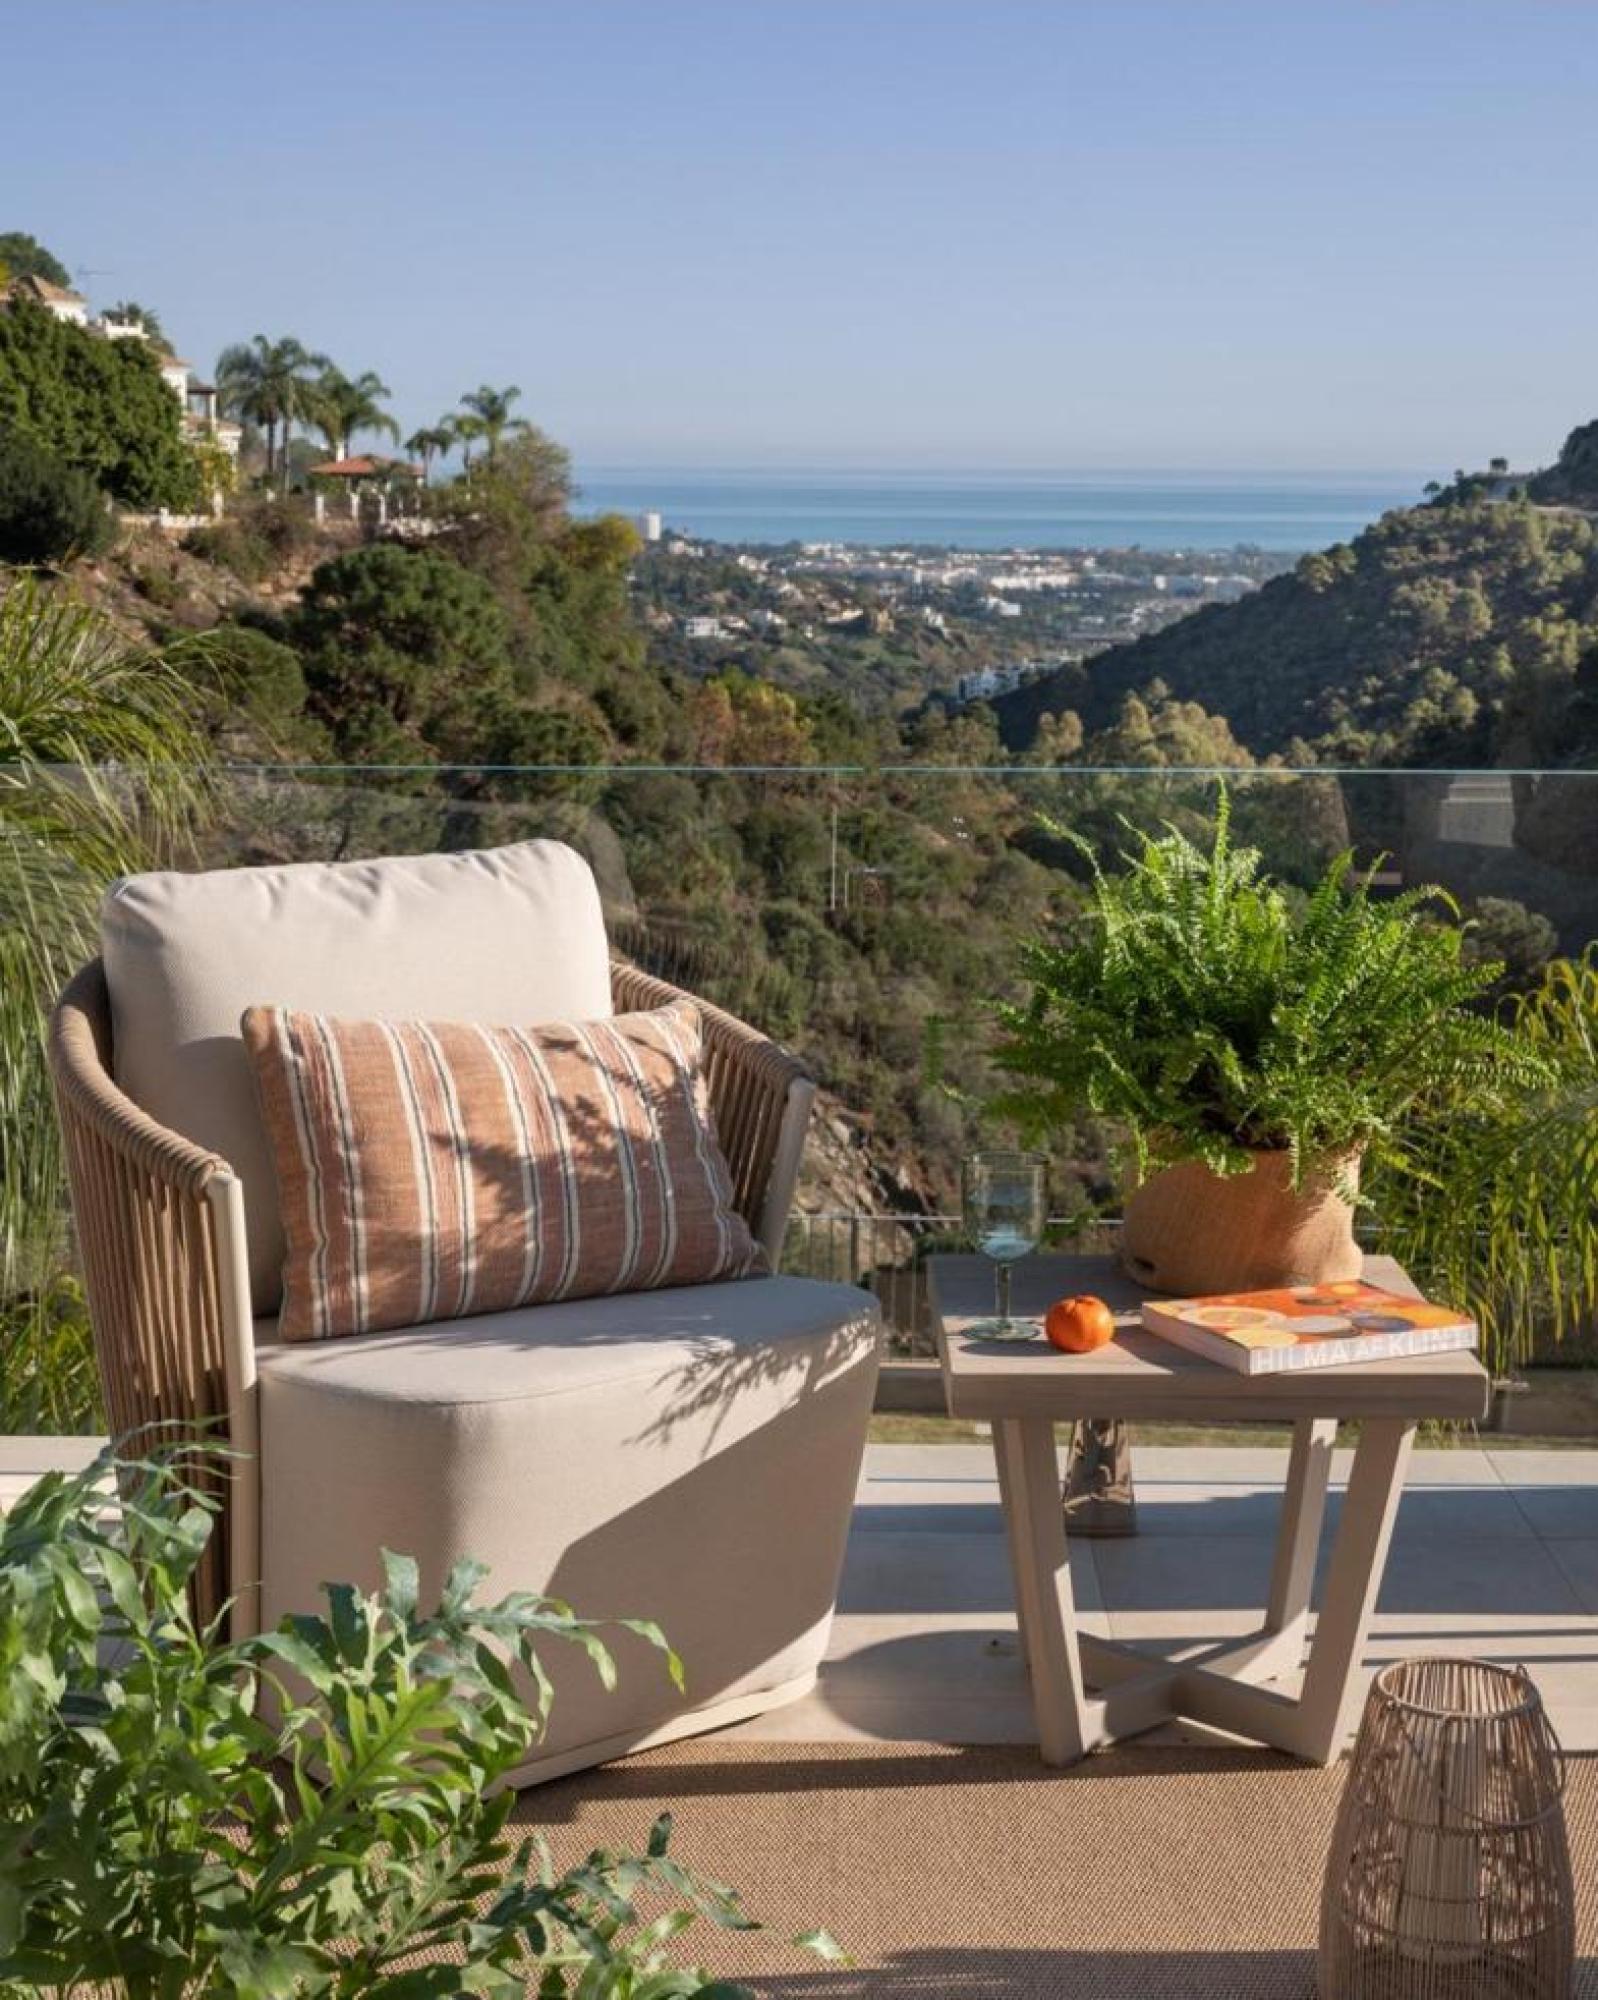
x: 429, y: 1170
x: 687, y: 1455
x: 510, y: 934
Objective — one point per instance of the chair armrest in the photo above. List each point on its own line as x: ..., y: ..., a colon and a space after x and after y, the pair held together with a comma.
x: 760, y: 1098
x: 159, y: 1228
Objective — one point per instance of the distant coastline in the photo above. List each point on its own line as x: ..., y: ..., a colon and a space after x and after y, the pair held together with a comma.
x: 974, y: 510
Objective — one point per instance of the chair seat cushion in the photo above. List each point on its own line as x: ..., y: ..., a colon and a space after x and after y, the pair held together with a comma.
x: 431, y: 1170
x: 688, y: 1456
x: 506, y: 934
x: 688, y: 1335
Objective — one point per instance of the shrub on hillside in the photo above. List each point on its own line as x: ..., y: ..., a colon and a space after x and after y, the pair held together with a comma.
x: 254, y: 540
x: 406, y: 655
x: 99, y: 405
x: 231, y: 546
x: 48, y: 511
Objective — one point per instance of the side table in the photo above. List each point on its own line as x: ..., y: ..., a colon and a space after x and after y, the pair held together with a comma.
x: 1024, y: 1390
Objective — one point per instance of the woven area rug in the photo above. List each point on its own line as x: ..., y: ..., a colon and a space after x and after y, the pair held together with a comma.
x: 976, y: 1874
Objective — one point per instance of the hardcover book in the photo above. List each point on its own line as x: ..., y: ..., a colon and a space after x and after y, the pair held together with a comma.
x: 1308, y: 1326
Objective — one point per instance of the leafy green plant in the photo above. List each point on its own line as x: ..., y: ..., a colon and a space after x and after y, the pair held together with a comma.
x: 101, y: 771
x: 1493, y: 1202
x: 49, y: 511
x: 304, y: 1813
x: 257, y: 538
x: 100, y: 405
x: 1210, y: 1014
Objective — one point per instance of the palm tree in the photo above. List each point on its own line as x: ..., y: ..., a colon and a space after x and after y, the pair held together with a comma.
x: 338, y: 408
x: 491, y: 409
x: 270, y: 383
x: 428, y: 443
x: 101, y: 767
x: 465, y: 430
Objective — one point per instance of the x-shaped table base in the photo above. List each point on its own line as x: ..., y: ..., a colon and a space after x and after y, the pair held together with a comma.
x: 1226, y: 1687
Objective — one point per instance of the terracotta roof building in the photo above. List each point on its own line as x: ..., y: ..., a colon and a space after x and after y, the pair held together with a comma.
x: 368, y: 465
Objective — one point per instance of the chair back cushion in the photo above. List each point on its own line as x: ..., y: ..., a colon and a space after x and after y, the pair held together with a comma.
x: 507, y: 934
x: 433, y: 1170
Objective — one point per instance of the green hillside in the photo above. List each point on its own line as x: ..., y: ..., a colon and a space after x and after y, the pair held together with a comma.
x: 1574, y: 478
x: 1461, y: 632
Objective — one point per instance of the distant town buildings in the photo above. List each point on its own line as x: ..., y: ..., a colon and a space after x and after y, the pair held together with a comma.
x: 987, y: 682
x: 649, y: 526
x: 1015, y: 614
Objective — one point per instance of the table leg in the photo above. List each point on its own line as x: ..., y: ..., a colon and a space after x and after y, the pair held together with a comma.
x: 1353, y: 1581
x: 1030, y: 1484
x: 1298, y: 1540
x: 1001, y: 1459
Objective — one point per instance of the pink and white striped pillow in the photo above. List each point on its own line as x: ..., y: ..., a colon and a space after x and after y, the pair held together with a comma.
x: 432, y: 1170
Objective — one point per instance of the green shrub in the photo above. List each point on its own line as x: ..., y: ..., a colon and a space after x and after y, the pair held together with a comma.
x: 100, y: 405
x: 49, y: 1386
x: 230, y: 545
x: 255, y: 539
x: 158, y: 585
x: 49, y: 512
x: 1494, y: 1203
x: 303, y: 1813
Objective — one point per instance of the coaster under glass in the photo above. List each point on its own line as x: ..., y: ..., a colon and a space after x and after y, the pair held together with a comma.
x: 1004, y: 1329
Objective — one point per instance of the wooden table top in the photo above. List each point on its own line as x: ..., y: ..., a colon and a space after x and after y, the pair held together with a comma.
x: 1140, y: 1375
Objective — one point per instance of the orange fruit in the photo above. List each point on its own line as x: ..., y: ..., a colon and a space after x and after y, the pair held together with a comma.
x: 1077, y: 1326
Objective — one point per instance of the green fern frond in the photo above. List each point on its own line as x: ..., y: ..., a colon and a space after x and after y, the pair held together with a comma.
x: 1190, y: 1002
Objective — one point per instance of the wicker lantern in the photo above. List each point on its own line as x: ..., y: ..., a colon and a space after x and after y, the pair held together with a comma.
x: 1449, y: 1876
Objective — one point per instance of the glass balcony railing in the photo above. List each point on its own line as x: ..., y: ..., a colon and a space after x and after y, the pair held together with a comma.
x: 872, y: 918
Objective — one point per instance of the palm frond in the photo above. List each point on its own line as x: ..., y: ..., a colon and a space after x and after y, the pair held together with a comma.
x: 102, y: 771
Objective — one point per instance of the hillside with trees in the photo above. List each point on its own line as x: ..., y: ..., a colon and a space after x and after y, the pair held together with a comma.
x: 1573, y: 478
x: 1460, y: 633
x: 487, y: 664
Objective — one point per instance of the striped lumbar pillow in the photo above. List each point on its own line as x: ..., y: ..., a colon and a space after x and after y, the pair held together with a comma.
x: 428, y: 1171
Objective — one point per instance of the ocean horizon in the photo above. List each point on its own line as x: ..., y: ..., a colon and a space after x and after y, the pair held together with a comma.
x: 1174, y: 511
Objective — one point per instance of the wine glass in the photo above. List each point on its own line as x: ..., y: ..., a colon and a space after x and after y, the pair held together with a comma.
x: 1004, y: 1216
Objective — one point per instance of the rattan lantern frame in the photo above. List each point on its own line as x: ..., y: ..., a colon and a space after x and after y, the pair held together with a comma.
x: 1449, y: 1875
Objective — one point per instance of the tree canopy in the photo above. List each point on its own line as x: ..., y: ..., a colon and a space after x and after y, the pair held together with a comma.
x: 406, y: 656
x: 24, y: 256
x: 98, y: 405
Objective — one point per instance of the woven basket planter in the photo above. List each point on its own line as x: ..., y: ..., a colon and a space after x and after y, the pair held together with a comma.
x: 1188, y: 1231
x: 1449, y: 1875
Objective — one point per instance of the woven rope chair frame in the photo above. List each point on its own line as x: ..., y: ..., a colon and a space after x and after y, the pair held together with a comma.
x: 145, y: 1215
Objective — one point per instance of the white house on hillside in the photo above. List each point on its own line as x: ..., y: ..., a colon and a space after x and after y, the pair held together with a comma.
x: 54, y: 298
x: 199, y: 400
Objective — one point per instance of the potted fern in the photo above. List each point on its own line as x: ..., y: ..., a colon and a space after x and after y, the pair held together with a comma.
x: 1254, y: 1048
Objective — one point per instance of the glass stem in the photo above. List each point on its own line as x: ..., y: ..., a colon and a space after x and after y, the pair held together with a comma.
x: 1001, y: 1286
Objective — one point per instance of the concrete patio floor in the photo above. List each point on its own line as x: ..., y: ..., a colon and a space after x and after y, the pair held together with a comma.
x: 1495, y: 1555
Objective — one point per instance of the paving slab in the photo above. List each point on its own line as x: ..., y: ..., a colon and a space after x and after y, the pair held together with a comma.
x: 1495, y: 1554
x: 1578, y: 1560
x: 1536, y: 1467
x: 1558, y: 1510
x: 1482, y: 1564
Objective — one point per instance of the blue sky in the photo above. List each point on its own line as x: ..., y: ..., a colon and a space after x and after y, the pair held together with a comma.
x: 1068, y: 234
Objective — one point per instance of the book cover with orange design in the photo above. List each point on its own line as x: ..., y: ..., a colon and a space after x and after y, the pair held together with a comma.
x: 1308, y: 1326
